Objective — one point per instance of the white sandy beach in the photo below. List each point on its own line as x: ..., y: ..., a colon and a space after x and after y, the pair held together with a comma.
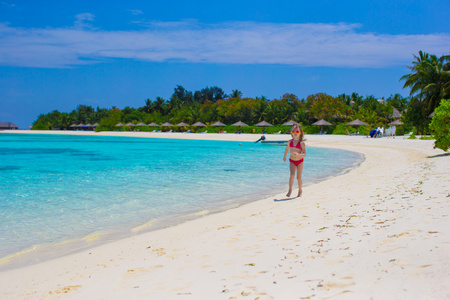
x: 380, y: 231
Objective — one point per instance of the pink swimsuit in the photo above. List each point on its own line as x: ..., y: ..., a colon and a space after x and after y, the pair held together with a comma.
x: 298, y: 146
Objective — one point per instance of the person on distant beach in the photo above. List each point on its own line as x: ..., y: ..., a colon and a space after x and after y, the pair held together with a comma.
x: 298, y: 152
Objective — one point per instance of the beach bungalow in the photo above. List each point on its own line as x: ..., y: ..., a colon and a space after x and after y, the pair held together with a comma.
x: 8, y: 126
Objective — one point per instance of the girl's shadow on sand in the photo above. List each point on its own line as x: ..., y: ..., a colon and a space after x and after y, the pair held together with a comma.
x: 285, y: 199
x: 439, y: 155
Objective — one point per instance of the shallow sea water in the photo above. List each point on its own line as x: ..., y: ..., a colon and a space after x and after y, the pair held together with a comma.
x: 55, y: 188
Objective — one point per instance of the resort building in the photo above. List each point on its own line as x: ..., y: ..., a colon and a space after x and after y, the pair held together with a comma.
x: 8, y: 126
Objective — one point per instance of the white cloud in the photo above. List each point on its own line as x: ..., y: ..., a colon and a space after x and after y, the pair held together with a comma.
x: 81, y: 19
x: 135, y: 11
x: 331, y: 45
x: 8, y: 4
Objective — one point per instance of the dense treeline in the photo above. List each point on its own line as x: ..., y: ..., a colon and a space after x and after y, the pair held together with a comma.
x: 428, y: 81
x: 184, y: 107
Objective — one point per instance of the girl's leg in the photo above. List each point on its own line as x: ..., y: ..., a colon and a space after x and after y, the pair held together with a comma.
x: 292, y: 169
x: 299, y: 178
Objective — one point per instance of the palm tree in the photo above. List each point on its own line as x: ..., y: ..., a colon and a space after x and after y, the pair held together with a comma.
x: 259, y: 111
x: 148, y: 106
x: 430, y: 80
x: 236, y: 94
x: 159, y: 104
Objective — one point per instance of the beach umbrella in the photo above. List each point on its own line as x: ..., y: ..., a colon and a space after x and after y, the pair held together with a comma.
x: 96, y: 124
x: 218, y: 123
x: 431, y: 115
x: 120, y: 125
x: 390, y: 131
x: 199, y: 124
x: 167, y: 124
x: 140, y: 124
x: 322, y: 123
x: 89, y: 126
x: 153, y: 124
x: 131, y: 125
x: 289, y: 123
x: 73, y: 125
x: 80, y: 125
x: 239, y: 124
x: 357, y: 123
x: 263, y: 124
x: 396, y: 122
x: 182, y: 124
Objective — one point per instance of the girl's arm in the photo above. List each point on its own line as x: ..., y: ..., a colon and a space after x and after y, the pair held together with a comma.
x: 286, y: 151
x: 303, y: 153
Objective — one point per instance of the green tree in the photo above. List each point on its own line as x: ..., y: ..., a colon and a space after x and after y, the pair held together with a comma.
x: 181, y: 97
x: 149, y: 106
x: 370, y: 117
x: 259, y: 109
x: 209, y: 112
x: 39, y: 124
x: 323, y: 106
x: 109, y: 122
x: 159, y: 105
x: 209, y: 93
x: 429, y: 81
x: 263, y: 98
x: 354, y: 100
x: 64, y: 121
x: 414, y: 116
x: 133, y: 115
x: 85, y: 114
x: 399, y: 102
x: 236, y: 94
x: 440, y: 125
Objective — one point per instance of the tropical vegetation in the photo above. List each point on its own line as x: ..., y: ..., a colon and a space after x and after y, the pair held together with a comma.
x: 428, y: 83
x: 440, y: 125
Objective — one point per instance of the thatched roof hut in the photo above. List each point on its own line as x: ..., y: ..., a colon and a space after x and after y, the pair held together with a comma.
x: 8, y: 126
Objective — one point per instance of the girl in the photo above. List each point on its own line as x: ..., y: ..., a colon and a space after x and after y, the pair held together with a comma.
x: 298, y: 152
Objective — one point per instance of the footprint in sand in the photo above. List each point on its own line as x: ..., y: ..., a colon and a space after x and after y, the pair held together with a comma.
x: 66, y: 289
x: 333, y: 262
x: 398, y: 235
x: 390, y: 249
x: 139, y: 271
x: 224, y: 227
x: 424, y: 266
x: 159, y: 251
x: 339, y: 284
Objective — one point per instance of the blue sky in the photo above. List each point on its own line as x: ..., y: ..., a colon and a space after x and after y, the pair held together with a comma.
x: 58, y: 54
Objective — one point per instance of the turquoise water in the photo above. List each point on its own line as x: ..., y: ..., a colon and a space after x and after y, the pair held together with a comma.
x: 55, y: 188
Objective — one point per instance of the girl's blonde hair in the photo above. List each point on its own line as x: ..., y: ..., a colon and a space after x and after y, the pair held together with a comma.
x: 298, y: 127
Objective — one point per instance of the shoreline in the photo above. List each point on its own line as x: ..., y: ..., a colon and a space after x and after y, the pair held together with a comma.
x: 344, y: 236
x: 244, y: 137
